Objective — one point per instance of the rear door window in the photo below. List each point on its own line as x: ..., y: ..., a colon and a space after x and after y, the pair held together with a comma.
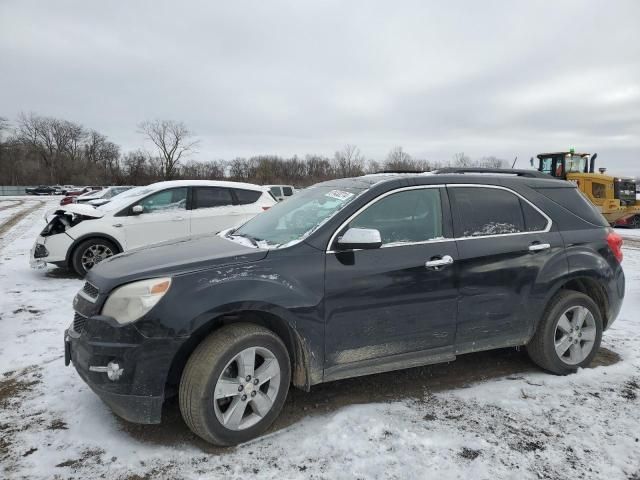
x: 533, y: 220
x: 405, y: 217
x: 208, y: 197
x: 288, y: 191
x: 246, y: 197
x: 487, y: 211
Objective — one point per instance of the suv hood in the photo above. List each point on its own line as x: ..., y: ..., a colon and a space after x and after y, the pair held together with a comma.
x: 171, y: 258
x: 81, y: 209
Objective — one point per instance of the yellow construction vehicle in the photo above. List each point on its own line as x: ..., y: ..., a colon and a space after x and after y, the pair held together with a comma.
x: 615, y: 197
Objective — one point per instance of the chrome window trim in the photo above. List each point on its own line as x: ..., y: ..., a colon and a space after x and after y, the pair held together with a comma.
x: 498, y: 187
x: 442, y: 240
x: 377, y: 199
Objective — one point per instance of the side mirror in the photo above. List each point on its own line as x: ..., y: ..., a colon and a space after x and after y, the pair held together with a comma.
x: 360, y: 238
x: 137, y: 209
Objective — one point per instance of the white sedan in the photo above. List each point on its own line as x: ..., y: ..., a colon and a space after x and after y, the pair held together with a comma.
x: 81, y: 236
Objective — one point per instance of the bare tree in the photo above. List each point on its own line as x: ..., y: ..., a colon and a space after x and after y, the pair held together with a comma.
x: 101, y: 157
x: 461, y: 160
x: 4, y: 125
x: 492, y: 162
x: 398, y: 159
x: 57, y: 142
x: 348, y: 162
x: 173, y: 141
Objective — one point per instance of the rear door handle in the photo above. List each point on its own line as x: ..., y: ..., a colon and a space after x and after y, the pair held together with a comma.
x: 536, y: 247
x: 439, y: 262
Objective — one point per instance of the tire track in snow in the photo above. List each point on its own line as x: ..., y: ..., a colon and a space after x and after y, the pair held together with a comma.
x: 16, y: 203
x: 16, y: 218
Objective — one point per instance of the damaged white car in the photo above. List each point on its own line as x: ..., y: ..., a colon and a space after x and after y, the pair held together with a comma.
x: 81, y: 236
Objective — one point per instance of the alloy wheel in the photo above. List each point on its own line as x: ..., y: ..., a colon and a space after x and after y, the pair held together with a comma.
x: 247, y: 388
x: 94, y: 255
x: 575, y: 335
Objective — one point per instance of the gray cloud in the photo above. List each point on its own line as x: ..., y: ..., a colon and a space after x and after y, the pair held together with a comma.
x: 488, y: 78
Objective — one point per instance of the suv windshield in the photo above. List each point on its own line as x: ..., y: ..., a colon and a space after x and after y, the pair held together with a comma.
x: 124, y: 199
x: 292, y: 221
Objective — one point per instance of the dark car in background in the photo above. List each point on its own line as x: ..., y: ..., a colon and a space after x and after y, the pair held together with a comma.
x: 42, y: 190
x: 347, y: 278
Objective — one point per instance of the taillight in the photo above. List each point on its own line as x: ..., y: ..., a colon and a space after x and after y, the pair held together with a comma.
x: 615, y: 244
x: 266, y: 208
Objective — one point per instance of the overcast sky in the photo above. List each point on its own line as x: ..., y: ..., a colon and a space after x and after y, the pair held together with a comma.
x: 249, y: 77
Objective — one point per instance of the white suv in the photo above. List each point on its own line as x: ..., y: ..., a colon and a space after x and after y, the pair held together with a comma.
x: 80, y: 236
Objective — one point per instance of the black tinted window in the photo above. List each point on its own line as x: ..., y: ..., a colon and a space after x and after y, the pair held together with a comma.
x: 488, y: 211
x: 575, y: 201
x: 533, y: 221
x: 246, y: 196
x: 409, y: 216
x: 288, y: 191
x: 207, y: 197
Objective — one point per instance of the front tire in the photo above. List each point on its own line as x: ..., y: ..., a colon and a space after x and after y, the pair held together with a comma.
x: 91, y: 252
x: 569, y: 334
x: 234, y: 384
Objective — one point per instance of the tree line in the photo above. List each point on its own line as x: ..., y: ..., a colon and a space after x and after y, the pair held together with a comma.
x: 37, y: 149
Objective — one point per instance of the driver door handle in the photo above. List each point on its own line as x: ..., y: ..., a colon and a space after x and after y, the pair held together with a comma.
x: 536, y: 247
x: 439, y: 262
x: 177, y: 219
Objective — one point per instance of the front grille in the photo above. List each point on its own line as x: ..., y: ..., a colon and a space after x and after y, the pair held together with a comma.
x: 79, y: 322
x: 90, y: 290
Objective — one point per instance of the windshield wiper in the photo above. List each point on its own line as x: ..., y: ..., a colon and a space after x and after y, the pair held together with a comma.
x: 254, y: 241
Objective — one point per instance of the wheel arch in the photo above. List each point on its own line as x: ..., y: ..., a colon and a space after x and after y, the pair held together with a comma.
x: 88, y: 236
x: 590, y: 286
x: 296, y: 346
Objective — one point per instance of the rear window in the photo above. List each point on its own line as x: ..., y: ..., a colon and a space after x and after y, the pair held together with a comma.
x: 246, y: 196
x: 208, y: 197
x: 574, y: 200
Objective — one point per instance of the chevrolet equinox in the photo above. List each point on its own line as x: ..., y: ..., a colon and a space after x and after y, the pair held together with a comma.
x: 350, y: 277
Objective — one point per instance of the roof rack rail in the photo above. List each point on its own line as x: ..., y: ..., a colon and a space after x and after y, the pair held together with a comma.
x: 501, y: 171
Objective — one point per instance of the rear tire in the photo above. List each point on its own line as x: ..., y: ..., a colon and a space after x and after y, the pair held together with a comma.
x: 569, y: 334
x: 91, y: 252
x: 226, y: 403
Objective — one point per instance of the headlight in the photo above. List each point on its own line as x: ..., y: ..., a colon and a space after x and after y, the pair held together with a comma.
x: 130, y: 302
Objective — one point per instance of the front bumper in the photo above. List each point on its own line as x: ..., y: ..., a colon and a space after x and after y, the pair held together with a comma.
x: 137, y: 396
x: 51, y: 249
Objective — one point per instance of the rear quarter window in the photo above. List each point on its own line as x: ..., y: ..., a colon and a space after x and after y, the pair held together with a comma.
x: 246, y: 197
x: 575, y: 202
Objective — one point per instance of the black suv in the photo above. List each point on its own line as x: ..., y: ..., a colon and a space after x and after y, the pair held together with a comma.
x: 347, y: 278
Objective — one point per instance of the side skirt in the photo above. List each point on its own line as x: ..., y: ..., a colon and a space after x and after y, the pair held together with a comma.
x: 386, y: 364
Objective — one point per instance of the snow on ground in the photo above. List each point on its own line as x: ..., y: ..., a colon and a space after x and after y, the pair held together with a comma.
x: 525, y: 425
x: 629, y: 232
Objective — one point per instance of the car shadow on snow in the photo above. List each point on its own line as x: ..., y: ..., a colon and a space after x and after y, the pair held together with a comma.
x: 413, y: 383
